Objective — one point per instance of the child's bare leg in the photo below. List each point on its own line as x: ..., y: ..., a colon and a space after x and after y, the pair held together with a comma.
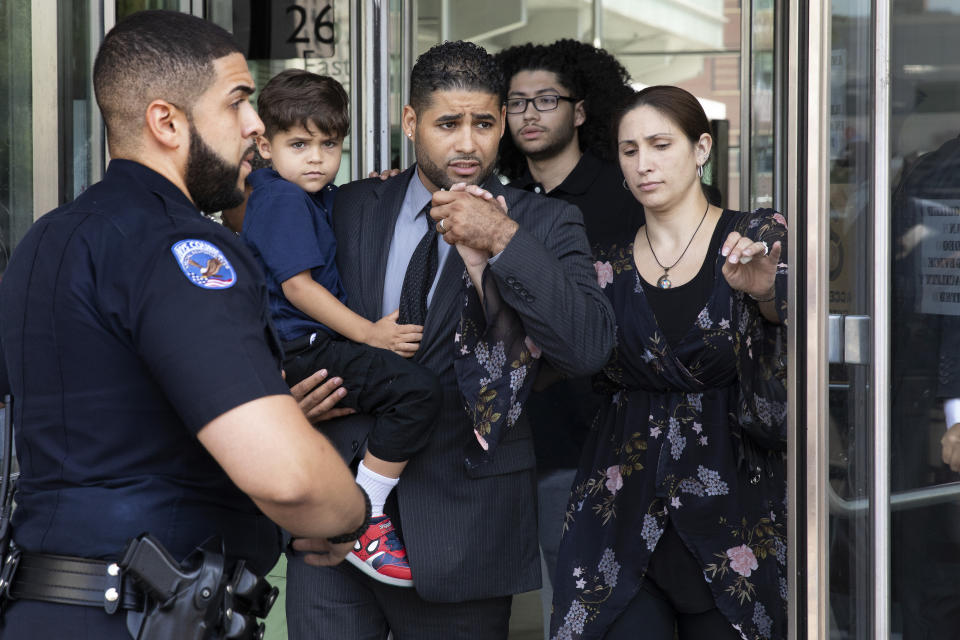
x: 384, y: 468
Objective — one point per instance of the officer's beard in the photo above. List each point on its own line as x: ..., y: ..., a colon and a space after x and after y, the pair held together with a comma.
x: 211, y: 181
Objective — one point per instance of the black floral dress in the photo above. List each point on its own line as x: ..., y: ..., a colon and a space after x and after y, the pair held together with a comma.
x: 695, y: 434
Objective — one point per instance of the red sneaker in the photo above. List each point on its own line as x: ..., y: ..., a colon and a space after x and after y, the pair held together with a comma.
x: 379, y: 553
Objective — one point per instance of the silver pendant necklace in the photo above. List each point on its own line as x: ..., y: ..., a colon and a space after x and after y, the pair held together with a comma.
x: 664, y: 281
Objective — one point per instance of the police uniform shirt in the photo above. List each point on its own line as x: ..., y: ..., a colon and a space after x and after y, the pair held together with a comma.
x: 130, y: 321
x: 288, y: 230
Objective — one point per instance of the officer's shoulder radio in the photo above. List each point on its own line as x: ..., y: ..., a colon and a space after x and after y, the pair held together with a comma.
x: 200, y: 599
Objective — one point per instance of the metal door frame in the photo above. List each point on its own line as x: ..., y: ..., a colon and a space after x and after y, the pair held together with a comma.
x: 807, y: 132
x: 808, y: 169
x: 880, y: 514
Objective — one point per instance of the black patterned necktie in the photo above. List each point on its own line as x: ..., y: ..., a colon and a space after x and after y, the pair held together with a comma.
x: 418, y: 279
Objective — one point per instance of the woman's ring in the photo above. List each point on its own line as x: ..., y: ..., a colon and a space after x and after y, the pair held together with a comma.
x: 766, y: 249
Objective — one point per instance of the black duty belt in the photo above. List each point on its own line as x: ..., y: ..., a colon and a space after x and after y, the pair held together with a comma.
x: 70, y: 580
x: 164, y: 600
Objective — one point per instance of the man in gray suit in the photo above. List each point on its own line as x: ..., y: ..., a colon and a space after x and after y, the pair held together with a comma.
x: 470, y: 530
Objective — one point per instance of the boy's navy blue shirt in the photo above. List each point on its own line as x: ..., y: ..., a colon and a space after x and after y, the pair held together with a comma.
x: 289, y: 231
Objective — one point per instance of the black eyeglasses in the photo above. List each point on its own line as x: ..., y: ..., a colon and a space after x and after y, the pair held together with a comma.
x: 540, y: 103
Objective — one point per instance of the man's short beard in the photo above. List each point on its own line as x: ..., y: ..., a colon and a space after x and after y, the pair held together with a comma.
x: 559, y: 140
x: 436, y: 174
x: 210, y: 180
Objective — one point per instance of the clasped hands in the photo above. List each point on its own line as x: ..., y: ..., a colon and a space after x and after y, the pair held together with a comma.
x: 469, y: 217
x: 472, y: 219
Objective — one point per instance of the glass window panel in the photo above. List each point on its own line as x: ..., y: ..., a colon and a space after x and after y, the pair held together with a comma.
x: 694, y: 47
x: 16, y: 143
x: 925, y: 315
x: 126, y: 7
x: 306, y: 34
x: 851, y: 583
x: 79, y: 124
x: 762, y: 105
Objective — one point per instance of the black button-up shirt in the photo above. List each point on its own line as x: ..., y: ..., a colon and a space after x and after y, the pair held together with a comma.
x: 561, y: 414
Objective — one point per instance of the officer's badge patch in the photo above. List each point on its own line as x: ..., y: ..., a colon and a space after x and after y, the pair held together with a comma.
x: 204, y: 264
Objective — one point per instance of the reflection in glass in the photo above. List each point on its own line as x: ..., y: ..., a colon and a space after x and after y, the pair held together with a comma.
x: 924, y: 319
x: 925, y: 315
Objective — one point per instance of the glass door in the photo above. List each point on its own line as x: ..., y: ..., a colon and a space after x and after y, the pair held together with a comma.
x: 853, y: 284
x: 924, y: 385
x: 892, y: 173
x: 293, y: 34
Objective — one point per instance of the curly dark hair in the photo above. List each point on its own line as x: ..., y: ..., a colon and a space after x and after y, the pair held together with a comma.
x: 589, y: 73
x: 454, y: 65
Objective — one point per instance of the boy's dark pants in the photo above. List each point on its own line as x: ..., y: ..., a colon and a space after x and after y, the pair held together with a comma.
x: 403, y: 396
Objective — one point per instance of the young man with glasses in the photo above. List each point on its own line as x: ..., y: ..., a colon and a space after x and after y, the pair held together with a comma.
x: 560, y: 100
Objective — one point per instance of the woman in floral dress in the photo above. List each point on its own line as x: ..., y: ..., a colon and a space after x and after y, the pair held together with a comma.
x: 677, y: 518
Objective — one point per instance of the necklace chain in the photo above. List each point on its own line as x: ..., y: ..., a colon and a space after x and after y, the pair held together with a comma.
x: 664, y: 281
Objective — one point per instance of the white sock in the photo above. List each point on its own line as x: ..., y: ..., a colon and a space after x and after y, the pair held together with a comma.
x: 378, y: 487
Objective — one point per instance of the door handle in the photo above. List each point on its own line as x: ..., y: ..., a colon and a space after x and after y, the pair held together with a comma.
x: 848, y: 339
x: 835, y: 338
x: 856, y: 339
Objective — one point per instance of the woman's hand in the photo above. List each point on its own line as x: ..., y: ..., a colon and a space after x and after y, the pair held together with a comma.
x: 750, y: 266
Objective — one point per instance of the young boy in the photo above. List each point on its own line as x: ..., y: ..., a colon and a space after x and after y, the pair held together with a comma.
x: 288, y: 227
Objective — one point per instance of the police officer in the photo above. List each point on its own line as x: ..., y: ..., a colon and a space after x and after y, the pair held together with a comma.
x: 135, y: 342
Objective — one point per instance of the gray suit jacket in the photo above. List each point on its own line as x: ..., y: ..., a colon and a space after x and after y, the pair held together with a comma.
x: 471, y: 534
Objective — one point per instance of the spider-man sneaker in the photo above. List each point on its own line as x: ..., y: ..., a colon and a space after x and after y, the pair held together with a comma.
x: 380, y: 554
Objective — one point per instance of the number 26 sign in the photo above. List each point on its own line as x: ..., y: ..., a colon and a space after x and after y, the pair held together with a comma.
x: 305, y: 28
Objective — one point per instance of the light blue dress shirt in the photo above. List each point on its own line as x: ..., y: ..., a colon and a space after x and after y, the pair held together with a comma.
x: 410, y: 227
